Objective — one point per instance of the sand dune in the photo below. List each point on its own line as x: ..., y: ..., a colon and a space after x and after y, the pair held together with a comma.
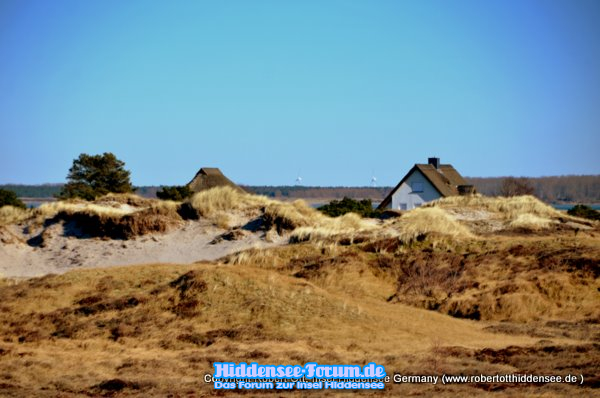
x: 58, y: 253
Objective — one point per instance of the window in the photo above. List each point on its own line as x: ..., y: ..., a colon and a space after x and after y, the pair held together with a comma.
x: 417, y: 186
x: 418, y: 204
x: 402, y: 206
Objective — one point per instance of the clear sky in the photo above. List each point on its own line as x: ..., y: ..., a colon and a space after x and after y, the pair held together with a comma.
x: 334, y: 91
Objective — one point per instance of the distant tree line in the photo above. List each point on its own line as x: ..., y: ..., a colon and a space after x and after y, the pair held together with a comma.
x: 34, y: 191
x: 566, y: 189
x: 297, y: 191
x: 512, y: 186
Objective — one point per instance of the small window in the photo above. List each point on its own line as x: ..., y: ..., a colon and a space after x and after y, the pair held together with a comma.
x: 402, y: 206
x: 417, y: 187
x: 418, y: 204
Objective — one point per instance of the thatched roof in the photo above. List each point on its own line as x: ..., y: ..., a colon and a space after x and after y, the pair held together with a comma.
x: 210, y: 177
x: 445, y: 179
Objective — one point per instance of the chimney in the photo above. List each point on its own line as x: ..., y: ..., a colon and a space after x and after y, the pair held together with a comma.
x: 465, y: 190
x: 435, y: 162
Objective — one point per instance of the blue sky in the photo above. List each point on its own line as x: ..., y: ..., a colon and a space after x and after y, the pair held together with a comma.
x: 336, y: 91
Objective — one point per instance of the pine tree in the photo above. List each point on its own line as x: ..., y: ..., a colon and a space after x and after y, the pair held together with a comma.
x: 96, y: 175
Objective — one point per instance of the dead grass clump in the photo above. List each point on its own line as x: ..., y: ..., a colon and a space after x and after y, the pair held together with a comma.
x: 530, y: 222
x: 254, y: 256
x: 222, y: 220
x: 509, y: 207
x: 224, y: 199
x: 304, y: 222
x: 289, y: 216
x: 112, y: 219
x: 13, y: 215
x: 51, y: 210
x: 130, y: 199
x: 155, y: 219
x: 344, y: 228
x: 111, y: 205
x: 418, y: 223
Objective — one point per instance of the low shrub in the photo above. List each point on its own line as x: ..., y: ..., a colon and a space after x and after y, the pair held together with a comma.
x: 9, y: 198
x: 337, y: 208
x: 176, y: 193
x: 584, y: 211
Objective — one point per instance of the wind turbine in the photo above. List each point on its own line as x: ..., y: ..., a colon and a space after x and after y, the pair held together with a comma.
x: 298, y: 179
x: 373, y: 179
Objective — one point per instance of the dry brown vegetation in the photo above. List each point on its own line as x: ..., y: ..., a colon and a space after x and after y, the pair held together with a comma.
x: 157, y: 329
x: 462, y: 286
x: 294, y: 219
x: 13, y: 215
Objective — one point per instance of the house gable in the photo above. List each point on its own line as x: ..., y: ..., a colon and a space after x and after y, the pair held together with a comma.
x: 444, y: 179
x: 414, y: 191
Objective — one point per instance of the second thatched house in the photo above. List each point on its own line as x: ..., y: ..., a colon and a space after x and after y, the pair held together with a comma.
x: 211, y: 177
x: 424, y: 183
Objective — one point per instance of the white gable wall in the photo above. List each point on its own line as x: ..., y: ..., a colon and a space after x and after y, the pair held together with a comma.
x: 404, y: 195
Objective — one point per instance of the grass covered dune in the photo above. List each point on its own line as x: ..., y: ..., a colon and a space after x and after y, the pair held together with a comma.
x: 469, y: 285
x: 158, y: 328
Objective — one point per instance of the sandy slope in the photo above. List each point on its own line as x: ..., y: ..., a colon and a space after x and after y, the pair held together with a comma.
x: 58, y: 254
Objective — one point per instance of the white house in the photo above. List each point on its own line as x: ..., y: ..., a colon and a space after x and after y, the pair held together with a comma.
x: 424, y: 183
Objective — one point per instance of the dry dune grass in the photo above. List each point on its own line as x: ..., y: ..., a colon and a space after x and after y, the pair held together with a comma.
x: 112, y: 205
x: 527, y: 298
x: 538, y: 278
x: 122, y: 222
x: 509, y: 207
x: 485, y: 215
x: 229, y: 208
x: 114, y: 216
x: 530, y: 221
x: 345, y: 292
x: 225, y: 199
x: 50, y: 210
x: 334, y: 268
x: 289, y: 216
x: 13, y: 215
x: 125, y: 215
x: 426, y: 220
x: 467, y: 276
x: 343, y: 228
x: 304, y: 222
x: 114, y: 199
x: 157, y: 329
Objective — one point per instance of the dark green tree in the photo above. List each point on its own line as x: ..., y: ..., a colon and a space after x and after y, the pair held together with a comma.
x: 96, y: 175
x: 9, y: 198
x: 177, y: 193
